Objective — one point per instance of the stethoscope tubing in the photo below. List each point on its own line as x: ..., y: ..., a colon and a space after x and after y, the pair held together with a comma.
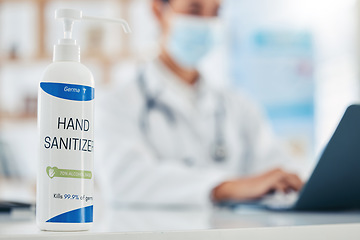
x: 218, y: 151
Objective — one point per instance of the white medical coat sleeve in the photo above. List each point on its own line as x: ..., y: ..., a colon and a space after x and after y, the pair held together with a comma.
x: 131, y: 174
x: 264, y: 150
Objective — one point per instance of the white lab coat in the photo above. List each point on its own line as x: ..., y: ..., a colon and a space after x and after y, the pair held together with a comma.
x: 172, y: 164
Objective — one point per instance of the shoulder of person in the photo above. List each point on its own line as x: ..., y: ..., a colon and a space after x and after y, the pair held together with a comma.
x: 123, y: 88
x: 240, y: 104
x: 120, y: 99
x: 235, y: 96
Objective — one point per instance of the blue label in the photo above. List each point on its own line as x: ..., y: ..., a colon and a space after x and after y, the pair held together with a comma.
x: 68, y: 91
x: 80, y: 215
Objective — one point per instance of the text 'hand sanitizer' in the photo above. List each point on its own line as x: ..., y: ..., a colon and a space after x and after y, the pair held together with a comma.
x: 66, y: 135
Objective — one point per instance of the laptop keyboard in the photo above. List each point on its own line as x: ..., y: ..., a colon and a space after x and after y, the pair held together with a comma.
x: 279, y: 200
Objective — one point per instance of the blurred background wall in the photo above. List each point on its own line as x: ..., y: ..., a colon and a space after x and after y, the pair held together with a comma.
x: 297, y: 58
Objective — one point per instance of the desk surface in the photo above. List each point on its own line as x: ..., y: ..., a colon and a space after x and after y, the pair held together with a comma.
x: 194, y: 224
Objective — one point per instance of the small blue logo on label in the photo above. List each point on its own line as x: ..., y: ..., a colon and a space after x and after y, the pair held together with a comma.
x: 68, y: 91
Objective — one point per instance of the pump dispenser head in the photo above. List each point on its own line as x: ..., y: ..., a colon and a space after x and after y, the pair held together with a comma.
x: 67, y: 49
x: 69, y: 16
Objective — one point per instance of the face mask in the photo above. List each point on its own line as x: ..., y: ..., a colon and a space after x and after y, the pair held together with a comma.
x: 190, y: 39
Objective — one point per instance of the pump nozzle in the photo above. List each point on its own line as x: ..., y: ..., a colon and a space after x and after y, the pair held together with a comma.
x: 124, y: 24
x: 67, y: 49
x: 71, y: 15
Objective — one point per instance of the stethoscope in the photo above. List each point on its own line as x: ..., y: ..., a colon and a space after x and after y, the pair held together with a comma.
x: 218, y: 151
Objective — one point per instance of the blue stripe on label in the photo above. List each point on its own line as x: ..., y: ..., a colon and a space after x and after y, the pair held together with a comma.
x: 68, y: 91
x: 81, y: 215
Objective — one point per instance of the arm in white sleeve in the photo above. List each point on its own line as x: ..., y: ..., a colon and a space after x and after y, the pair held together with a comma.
x: 131, y: 174
x: 265, y: 151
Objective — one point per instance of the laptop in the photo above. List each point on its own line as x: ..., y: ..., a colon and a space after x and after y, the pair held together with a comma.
x: 9, y: 206
x: 335, y: 181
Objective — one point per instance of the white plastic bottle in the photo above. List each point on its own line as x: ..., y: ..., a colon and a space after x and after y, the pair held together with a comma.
x: 66, y: 136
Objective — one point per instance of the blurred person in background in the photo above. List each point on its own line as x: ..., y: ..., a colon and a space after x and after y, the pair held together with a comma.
x: 167, y: 138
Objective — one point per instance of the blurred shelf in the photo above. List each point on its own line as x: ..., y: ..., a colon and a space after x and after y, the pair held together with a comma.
x: 84, y: 57
x: 17, y: 118
x: 104, y: 62
x: 22, y: 61
x: 43, y: 55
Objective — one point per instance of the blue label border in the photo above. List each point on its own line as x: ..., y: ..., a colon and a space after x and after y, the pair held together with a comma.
x: 68, y: 91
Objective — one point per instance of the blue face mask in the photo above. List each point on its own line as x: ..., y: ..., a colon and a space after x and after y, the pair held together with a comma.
x: 190, y: 39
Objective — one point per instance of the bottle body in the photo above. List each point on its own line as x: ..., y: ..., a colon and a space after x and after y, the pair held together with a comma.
x: 66, y: 146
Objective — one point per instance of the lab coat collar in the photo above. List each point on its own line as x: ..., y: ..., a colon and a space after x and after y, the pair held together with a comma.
x: 168, y: 87
x: 172, y: 81
x: 169, y: 81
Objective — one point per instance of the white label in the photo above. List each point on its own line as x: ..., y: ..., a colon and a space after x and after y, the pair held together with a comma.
x: 66, y: 142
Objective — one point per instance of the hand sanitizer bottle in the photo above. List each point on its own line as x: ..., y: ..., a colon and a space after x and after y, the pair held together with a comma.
x: 66, y: 135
